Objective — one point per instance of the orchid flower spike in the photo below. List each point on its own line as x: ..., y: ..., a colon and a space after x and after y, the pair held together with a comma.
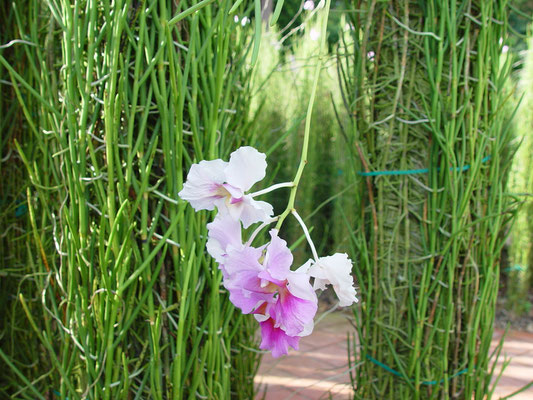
x: 221, y: 184
x: 336, y: 271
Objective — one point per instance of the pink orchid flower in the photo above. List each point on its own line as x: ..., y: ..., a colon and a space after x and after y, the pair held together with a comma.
x: 261, y: 282
x: 223, y: 185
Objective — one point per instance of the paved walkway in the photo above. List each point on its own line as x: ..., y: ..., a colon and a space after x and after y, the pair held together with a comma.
x: 319, y: 369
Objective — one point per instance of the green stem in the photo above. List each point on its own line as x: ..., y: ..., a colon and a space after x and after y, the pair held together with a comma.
x: 305, y: 146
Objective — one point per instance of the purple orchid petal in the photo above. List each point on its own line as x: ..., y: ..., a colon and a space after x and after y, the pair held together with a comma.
x: 278, y: 258
x: 246, y: 289
x: 276, y: 340
x: 292, y: 313
x: 244, y: 259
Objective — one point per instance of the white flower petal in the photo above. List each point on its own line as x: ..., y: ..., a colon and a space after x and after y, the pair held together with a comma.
x: 335, y: 270
x: 304, y: 269
x: 234, y: 192
x: 246, y: 167
x: 320, y: 284
x: 252, y: 211
x: 224, y: 232
x: 308, y: 329
x: 299, y: 286
x: 203, y: 183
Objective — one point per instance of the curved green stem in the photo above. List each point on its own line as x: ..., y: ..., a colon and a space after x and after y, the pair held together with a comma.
x: 316, y: 76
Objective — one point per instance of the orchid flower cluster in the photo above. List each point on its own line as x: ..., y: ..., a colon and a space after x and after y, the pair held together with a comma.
x: 260, y: 280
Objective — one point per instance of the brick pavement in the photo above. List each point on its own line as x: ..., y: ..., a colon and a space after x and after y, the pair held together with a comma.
x: 319, y: 369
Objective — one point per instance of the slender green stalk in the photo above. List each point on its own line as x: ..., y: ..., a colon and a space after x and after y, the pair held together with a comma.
x: 307, y: 130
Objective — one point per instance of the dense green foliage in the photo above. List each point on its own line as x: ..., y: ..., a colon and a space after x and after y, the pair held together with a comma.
x: 425, y: 85
x: 111, y: 294
x: 105, y: 287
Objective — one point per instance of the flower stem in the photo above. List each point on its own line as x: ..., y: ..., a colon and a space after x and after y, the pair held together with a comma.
x: 272, y: 188
x: 316, y: 76
x: 306, y: 233
x: 259, y: 229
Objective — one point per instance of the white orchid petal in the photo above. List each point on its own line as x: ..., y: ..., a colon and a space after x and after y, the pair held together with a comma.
x: 308, y: 329
x: 252, y: 211
x: 246, y: 167
x: 336, y: 271
x: 223, y: 233
x: 234, y: 192
x: 304, y: 269
x: 320, y: 284
x: 299, y: 286
x: 203, y: 183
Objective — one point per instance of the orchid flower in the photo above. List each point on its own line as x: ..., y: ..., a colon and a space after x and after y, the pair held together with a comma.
x: 261, y: 282
x: 336, y: 271
x: 259, y: 279
x: 221, y: 184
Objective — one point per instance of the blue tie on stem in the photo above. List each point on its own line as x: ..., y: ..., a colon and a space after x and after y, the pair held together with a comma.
x: 415, y: 171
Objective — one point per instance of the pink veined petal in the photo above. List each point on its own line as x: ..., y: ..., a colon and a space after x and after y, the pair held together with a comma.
x: 245, y: 291
x: 279, y: 258
x: 223, y: 232
x: 292, y: 313
x: 246, y: 167
x: 242, y: 280
x: 276, y: 340
x: 204, y: 180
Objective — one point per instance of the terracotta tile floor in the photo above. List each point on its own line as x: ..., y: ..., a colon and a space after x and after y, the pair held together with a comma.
x: 319, y: 370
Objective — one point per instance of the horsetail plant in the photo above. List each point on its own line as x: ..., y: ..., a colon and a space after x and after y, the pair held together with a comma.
x: 424, y: 85
x: 119, y: 99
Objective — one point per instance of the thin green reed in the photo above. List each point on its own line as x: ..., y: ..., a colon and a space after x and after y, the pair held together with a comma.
x: 117, y: 100
x: 425, y: 86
